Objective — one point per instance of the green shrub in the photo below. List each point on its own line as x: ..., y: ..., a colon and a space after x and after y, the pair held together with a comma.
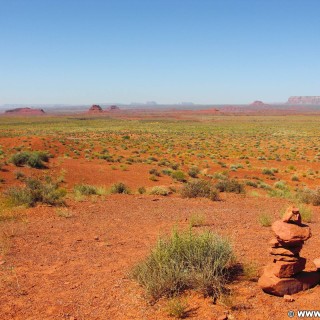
x: 33, y: 159
x: 193, y: 172
x: 155, y: 172
x: 142, y: 190
x: 186, y: 260
x: 120, y: 188
x: 306, y: 212
x: 160, y: 191
x: 267, y: 171
x: 265, y: 220
x: 177, y: 308
x: 178, y: 175
x: 309, y: 196
x: 85, y: 189
x: 36, y: 191
x: 200, y: 188
x: 197, y: 220
x: 230, y: 185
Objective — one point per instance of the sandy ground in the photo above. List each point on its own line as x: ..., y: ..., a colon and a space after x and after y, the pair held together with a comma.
x: 78, y: 267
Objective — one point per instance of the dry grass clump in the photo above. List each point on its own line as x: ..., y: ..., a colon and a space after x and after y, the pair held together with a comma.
x: 186, y: 260
x: 200, y: 188
x: 37, y: 191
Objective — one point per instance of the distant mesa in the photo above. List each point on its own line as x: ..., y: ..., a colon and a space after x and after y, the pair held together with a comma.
x: 113, y: 108
x: 311, y: 100
x: 258, y: 103
x: 95, y: 108
x: 25, y: 111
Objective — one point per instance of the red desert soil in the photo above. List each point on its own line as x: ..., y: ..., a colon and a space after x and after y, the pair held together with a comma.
x: 78, y: 267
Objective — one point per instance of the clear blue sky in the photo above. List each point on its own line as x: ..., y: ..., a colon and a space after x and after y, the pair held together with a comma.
x: 205, y: 51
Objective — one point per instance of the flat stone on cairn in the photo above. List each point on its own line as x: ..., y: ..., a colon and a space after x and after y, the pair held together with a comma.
x: 285, y: 274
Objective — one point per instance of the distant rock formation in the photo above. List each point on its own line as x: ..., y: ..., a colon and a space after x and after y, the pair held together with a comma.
x: 313, y: 100
x: 95, y: 108
x: 25, y: 111
x: 258, y: 103
x: 113, y: 108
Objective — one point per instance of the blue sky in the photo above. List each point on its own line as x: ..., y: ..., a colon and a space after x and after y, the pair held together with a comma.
x: 94, y: 51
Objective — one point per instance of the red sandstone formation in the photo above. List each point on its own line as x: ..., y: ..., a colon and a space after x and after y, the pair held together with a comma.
x: 25, y: 111
x: 95, y: 109
x: 285, y: 275
x: 113, y: 108
x: 258, y: 103
x: 313, y: 100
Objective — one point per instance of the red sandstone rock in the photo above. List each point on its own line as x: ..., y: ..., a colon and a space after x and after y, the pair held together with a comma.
x: 285, y: 258
x: 317, y: 263
x: 288, y: 298
x: 289, y: 233
x: 25, y: 111
x: 286, y: 269
x: 113, y: 108
x: 95, y: 109
x: 280, y: 287
x: 292, y: 215
x: 290, y: 251
x: 311, y: 100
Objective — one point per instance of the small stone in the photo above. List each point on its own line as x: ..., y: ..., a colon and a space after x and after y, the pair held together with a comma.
x: 288, y: 298
x: 286, y: 269
x: 277, y: 243
x: 317, y: 263
x: 289, y: 251
x: 96, y: 238
x: 289, y: 233
x: 292, y: 214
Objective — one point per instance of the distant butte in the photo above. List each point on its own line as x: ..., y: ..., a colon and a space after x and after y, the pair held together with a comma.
x: 258, y: 103
x: 25, y: 111
x: 95, y: 108
x: 113, y: 108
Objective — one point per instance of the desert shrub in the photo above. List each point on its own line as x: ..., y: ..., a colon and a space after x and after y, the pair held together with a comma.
x: 167, y: 172
x: 251, y: 184
x: 197, y: 220
x: 160, y: 191
x: 19, y: 175
x: 267, y: 171
x: 177, y: 308
x: 154, y: 172
x: 186, y: 260
x: 33, y: 159
x: 153, y: 178
x: 142, y: 190
x: 309, y: 196
x: 199, y: 188
x: 230, y: 185
x: 306, y: 213
x: 281, y: 185
x: 37, y: 191
x: 178, y: 175
x: 294, y: 178
x: 120, y: 188
x: 85, y: 189
x: 265, y: 220
x: 193, y: 172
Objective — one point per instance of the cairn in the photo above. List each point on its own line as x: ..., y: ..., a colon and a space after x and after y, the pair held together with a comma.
x: 285, y: 275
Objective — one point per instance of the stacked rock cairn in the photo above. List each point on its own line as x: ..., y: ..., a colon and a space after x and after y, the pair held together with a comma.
x: 285, y: 275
